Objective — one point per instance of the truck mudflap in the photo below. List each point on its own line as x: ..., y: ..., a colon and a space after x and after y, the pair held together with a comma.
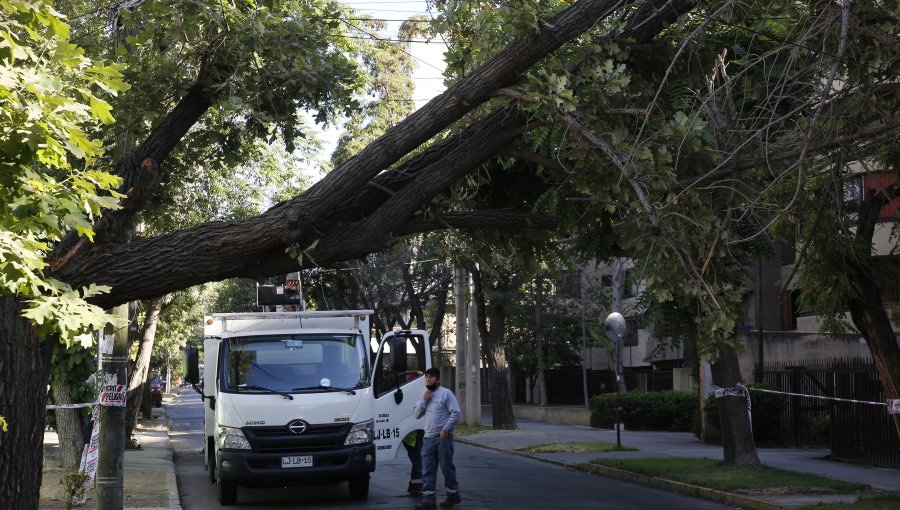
x: 250, y: 468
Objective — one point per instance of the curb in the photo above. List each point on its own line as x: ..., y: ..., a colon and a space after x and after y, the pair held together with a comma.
x: 171, y: 481
x: 651, y: 481
x: 679, y: 487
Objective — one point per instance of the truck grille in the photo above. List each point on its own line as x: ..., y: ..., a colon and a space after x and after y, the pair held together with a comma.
x: 278, y: 439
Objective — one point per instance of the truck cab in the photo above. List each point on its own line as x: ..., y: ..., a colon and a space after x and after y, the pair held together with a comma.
x: 299, y: 398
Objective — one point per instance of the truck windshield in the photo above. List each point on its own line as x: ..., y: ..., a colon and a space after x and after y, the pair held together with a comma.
x: 294, y: 363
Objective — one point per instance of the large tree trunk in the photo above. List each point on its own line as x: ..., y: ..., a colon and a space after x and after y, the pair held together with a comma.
x: 866, y: 304
x: 68, y: 426
x: 137, y: 379
x: 737, y: 436
x: 225, y: 253
x: 494, y: 351
x: 24, y: 370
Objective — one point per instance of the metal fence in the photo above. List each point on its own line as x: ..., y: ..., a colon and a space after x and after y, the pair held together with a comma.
x: 565, y: 386
x: 855, y: 432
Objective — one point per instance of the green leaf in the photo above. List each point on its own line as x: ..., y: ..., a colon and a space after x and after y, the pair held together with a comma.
x: 101, y: 110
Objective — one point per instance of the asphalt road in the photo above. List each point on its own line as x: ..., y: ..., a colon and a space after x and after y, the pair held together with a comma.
x: 488, y: 480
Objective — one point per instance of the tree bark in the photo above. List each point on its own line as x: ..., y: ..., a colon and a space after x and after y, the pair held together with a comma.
x: 24, y: 373
x: 493, y: 349
x: 68, y: 426
x: 866, y: 304
x: 137, y: 379
x: 737, y: 436
x: 441, y: 298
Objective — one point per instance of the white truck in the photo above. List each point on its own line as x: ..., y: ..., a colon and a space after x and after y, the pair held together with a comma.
x: 297, y: 398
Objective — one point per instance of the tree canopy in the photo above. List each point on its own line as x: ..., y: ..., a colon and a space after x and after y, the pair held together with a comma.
x: 685, y: 135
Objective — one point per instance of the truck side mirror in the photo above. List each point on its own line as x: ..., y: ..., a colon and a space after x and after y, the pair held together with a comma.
x: 398, y: 352
x: 191, y: 365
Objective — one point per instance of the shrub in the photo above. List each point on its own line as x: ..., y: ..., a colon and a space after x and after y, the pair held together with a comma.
x: 659, y: 410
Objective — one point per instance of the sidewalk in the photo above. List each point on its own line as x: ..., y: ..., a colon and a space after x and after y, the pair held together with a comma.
x: 149, y: 476
x: 683, y: 444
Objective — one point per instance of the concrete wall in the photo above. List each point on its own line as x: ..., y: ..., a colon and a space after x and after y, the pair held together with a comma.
x: 558, y: 415
x: 797, y: 347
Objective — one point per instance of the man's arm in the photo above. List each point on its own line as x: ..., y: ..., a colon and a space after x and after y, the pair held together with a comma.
x: 419, y: 410
x: 455, y: 413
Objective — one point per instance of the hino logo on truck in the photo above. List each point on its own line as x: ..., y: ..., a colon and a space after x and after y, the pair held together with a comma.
x: 298, y: 427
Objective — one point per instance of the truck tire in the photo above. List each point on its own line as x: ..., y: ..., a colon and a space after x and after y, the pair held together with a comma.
x: 359, y: 487
x: 227, y: 492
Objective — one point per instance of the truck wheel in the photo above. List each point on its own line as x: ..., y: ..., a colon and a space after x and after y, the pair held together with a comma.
x: 359, y: 487
x: 227, y: 492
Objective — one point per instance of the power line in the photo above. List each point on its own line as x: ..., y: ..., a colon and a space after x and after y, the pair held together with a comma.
x: 401, y: 49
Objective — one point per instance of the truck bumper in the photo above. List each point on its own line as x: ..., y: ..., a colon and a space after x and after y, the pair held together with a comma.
x: 249, y: 468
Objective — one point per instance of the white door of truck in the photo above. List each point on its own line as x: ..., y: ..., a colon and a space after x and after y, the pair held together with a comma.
x: 400, y: 364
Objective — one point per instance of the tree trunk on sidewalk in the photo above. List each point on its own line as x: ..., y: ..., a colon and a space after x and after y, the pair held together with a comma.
x: 493, y: 348
x: 68, y: 426
x: 737, y: 435
x: 22, y: 401
x: 137, y: 379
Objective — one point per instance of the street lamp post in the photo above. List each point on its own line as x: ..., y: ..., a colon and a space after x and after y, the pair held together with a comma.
x: 615, y: 328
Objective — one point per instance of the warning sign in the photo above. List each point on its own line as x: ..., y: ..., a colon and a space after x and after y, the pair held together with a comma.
x: 893, y: 405
x: 113, y: 395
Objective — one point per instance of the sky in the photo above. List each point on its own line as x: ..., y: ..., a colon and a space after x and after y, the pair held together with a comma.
x: 427, y: 55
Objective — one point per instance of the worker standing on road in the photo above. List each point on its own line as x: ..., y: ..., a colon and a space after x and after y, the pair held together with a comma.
x: 441, y: 411
x: 413, y: 445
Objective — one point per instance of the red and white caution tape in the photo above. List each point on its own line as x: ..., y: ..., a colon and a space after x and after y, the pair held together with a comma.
x: 738, y: 391
x: 112, y: 395
x: 90, y: 454
x: 828, y: 398
x: 71, y: 406
x: 893, y: 405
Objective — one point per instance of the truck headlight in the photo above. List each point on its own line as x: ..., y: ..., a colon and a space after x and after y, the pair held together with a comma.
x: 232, y: 438
x: 361, y: 433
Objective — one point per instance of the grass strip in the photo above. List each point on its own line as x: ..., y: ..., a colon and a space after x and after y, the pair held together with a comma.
x: 889, y: 501
x: 714, y: 474
x: 466, y: 430
x: 578, y: 447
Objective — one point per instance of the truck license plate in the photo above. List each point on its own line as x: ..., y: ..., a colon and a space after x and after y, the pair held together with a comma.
x: 297, y: 462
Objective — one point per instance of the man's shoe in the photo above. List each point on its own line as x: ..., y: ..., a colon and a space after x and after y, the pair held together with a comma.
x: 451, y: 501
x: 414, y: 489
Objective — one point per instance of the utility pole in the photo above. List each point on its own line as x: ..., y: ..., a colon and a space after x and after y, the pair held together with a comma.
x: 584, y: 374
x: 460, y: 283
x: 473, y: 376
x: 618, y: 277
x: 615, y: 329
x: 113, y: 382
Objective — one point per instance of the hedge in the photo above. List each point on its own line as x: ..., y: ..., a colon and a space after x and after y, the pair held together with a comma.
x: 672, y: 411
